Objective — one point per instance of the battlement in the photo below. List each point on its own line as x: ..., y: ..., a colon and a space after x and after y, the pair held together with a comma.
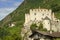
x: 40, y: 10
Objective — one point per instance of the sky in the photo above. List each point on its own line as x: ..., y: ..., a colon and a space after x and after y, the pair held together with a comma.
x: 8, y: 6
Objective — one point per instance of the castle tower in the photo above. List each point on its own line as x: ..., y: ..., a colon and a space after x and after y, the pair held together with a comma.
x: 27, y: 18
x: 53, y: 17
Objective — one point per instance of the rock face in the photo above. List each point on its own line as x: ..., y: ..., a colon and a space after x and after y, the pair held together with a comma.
x: 26, y: 32
x: 44, y: 16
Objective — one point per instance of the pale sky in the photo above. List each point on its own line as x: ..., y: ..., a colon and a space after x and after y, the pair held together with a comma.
x: 7, y: 6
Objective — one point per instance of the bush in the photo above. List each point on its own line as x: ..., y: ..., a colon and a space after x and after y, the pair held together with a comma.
x: 41, y: 27
x: 33, y: 27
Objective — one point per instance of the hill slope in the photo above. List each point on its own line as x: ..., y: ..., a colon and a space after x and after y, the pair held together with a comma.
x: 18, y: 15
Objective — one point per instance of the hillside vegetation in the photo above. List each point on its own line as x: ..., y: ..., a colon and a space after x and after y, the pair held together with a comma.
x: 18, y: 16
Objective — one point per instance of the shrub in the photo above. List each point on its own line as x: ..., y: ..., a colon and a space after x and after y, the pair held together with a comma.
x: 33, y: 27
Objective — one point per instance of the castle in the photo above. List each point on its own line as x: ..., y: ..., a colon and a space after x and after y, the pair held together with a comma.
x: 37, y: 16
x: 46, y: 16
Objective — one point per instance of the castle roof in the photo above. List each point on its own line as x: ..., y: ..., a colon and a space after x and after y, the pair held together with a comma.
x: 46, y: 18
x: 53, y: 34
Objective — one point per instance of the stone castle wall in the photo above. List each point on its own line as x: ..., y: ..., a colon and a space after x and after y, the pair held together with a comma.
x: 44, y: 15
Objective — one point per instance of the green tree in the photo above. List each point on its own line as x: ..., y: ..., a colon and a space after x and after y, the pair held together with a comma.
x: 55, y: 7
x: 33, y: 26
x: 3, y: 32
x: 41, y: 27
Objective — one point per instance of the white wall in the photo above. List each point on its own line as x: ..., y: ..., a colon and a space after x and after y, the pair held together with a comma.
x: 46, y: 24
x: 27, y: 18
x: 38, y: 15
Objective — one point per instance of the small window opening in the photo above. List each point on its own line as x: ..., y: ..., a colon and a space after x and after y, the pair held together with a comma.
x: 43, y: 14
x: 34, y: 13
x: 57, y: 21
x: 35, y: 18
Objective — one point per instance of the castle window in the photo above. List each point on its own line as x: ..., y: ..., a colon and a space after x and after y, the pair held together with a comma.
x: 41, y: 10
x: 34, y: 13
x: 57, y: 21
x: 35, y: 18
x: 41, y: 18
x: 43, y: 14
x: 30, y: 20
x: 44, y: 10
x: 47, y: 14
x: 38, y: 9
x: 35, y: 9
x: 48, y: 23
